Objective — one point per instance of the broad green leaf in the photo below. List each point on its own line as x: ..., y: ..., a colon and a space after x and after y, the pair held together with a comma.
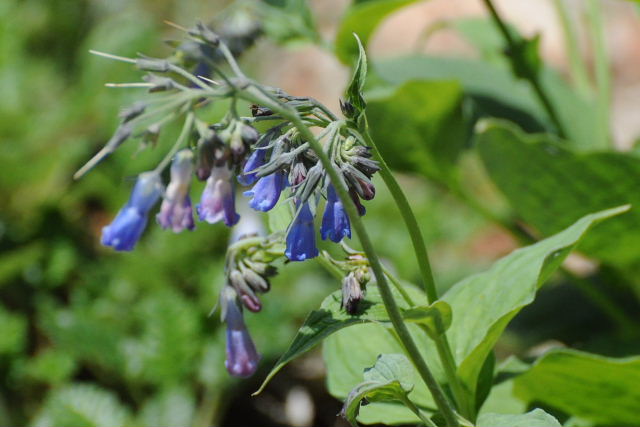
x: 433, y: 131
x: 362, y: 19
x: 483, y: 304
x: 81, y: 405
x: 566, y: 187
x: 602, y: 389
x: 354, y: 90
x: 390, y: 379
x: 328, y: 319
x: 496, y: 92
x: 535, y: 418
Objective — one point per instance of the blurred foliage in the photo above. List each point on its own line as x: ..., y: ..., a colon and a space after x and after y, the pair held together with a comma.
x: 94, y: 338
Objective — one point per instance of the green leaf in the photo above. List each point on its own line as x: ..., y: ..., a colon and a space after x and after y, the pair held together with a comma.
x: 390, y: 379
x: 436, y: 318
x: 327, y: 320
x: 354, y: 90
x: 81, y: 405
x: 433, y: 131
x: 535, y: 418
x: 485, y: 303
x: 602, y: 389
x: 362, y: 19
x: 496, y: 92
x: 566, y: 186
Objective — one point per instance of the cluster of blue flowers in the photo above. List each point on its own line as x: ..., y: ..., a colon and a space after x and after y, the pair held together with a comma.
x: 276, y: 163
x: 230, y: 153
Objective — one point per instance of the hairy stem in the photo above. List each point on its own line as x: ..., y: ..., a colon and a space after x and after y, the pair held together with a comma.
x: 419, y: 246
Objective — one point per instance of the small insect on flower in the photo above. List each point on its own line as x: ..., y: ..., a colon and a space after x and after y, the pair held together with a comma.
x: 125, y: 230
x: 301, y: 239
x: 218, y: 198
x: 242, y: 356
x: 176, y: 211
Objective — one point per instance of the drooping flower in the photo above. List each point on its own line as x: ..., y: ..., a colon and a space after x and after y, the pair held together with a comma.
x: 335, y: 221
x: 301, y: 239
x: 218, y: 198
x: 255, y: 160
x: 176, y: 211
x: 127, y: 227
x: 242, y: 356
x: 267, y: 191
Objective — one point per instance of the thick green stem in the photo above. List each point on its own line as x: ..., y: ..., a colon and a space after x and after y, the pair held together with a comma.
x: 419, y: 246
x: 603, y: 80
x: 252, y: 95
x: 529, y: 74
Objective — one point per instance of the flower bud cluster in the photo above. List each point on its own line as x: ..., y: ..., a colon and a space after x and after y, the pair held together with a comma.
x: 249, y: 265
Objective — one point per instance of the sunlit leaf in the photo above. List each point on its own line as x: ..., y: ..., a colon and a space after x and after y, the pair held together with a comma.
x: 483, y: 304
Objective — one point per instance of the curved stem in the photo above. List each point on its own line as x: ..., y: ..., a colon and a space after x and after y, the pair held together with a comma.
x: 252, y: 95
x: 409, y: 218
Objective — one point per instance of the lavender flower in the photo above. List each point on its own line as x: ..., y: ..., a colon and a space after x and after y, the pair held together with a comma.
x: 301, y: 239
x: 176, y: 211
x: 335, y: 221
x: 125, y: 230
x: 267, y: 191
x: 218, y: 198
x: 242, y: 356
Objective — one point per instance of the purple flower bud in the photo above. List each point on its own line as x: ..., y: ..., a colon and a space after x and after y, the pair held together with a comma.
x: 301, y: 240
x: 255, y: 160
x: 125, y: 230
x: 176, y: 211
x: 218, y: 198
x: 266, y: 192
x: 242, y: 356
x: 335, y: 221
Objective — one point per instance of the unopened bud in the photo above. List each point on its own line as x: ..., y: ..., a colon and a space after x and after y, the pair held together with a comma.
x: 248, y: 297
x: 206, y: 34
x: 160, y: 84
x: 351, y: 293
x: 153, y: 64
x: 132, y: 112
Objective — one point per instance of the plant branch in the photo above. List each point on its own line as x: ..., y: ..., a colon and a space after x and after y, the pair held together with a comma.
x: 529, y: 74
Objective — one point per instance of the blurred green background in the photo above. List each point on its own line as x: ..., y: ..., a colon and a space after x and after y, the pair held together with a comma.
x: 91, y: 337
